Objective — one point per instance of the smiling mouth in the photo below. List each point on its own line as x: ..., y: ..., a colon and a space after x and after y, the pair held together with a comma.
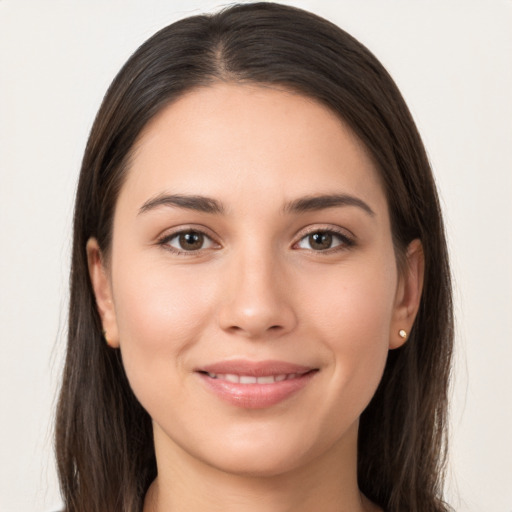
x: 255, y: 385
x: 251, y: 379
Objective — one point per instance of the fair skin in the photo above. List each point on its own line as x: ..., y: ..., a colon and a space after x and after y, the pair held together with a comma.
x: 258, y: 272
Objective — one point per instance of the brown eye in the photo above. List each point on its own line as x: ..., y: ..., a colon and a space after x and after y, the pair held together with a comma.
x: 188, y: 241
x: 324, y: 240
x: 191, y: 241
x: 320, y: 241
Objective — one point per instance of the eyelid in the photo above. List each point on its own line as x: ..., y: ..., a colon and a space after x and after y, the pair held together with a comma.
x: 347, y: 237
x: 167, y: 235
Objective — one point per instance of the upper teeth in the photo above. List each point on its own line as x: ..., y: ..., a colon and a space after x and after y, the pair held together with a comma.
x: 250, y: 379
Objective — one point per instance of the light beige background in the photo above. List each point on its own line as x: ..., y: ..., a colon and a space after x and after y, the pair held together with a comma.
x: 453, y: 63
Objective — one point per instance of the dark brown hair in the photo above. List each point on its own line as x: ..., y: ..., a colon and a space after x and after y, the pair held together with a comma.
x: 104, y: 443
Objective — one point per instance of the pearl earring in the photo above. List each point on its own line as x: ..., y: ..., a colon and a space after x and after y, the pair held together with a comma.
x: 104, y: 334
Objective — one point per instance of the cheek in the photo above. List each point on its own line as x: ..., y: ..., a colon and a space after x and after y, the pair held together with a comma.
x: 354, y: 314
x: 160, y: 314
x: 152, y: 308
x: 357, y: 300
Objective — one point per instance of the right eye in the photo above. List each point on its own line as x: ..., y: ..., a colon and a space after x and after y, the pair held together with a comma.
x: 188, y: 241
x: 325, y: 240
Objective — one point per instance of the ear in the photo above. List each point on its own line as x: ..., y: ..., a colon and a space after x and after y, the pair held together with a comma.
x: 408, y: 295
x: 102, y: 292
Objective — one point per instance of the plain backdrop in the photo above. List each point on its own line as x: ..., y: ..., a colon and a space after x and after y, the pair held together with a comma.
x: 452, y: 61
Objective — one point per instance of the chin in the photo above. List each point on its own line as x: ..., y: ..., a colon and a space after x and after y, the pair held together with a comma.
x: 269, y: 452
x: 258, y: 462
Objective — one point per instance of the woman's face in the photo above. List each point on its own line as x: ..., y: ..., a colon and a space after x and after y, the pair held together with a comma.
x: 252, y: 286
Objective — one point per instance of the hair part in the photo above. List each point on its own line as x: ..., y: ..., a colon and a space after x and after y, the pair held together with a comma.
x: 104, y: 443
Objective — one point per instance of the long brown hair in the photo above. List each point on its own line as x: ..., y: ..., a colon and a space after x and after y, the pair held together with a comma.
x: 104, y: 445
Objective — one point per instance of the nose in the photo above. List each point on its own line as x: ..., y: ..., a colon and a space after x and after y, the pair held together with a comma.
x: 257, y: 300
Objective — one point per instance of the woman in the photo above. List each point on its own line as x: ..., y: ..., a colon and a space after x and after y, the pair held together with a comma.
x: 260, y: 312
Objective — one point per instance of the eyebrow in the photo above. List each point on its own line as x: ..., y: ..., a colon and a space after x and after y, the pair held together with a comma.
x: 197, y: 203
x: 321, y: 202
x: 209, y: 205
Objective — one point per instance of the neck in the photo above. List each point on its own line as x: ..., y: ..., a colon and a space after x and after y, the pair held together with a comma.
x: 327, y: 483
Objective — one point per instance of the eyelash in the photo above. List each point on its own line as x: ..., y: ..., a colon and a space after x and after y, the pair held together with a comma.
x: 166, y: 239
x: 345, y: 241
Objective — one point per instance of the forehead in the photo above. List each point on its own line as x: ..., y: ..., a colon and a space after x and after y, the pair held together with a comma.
x: 231, y: 141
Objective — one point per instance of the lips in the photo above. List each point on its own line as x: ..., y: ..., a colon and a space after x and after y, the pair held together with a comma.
x: 255, y: 385
x: 251, y: 379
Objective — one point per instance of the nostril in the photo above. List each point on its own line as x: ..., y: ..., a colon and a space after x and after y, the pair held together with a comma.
x: 256, y: 318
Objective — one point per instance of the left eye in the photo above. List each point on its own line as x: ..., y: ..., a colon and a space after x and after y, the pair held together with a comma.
x: 323, y: 240
x: 189, y: 241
